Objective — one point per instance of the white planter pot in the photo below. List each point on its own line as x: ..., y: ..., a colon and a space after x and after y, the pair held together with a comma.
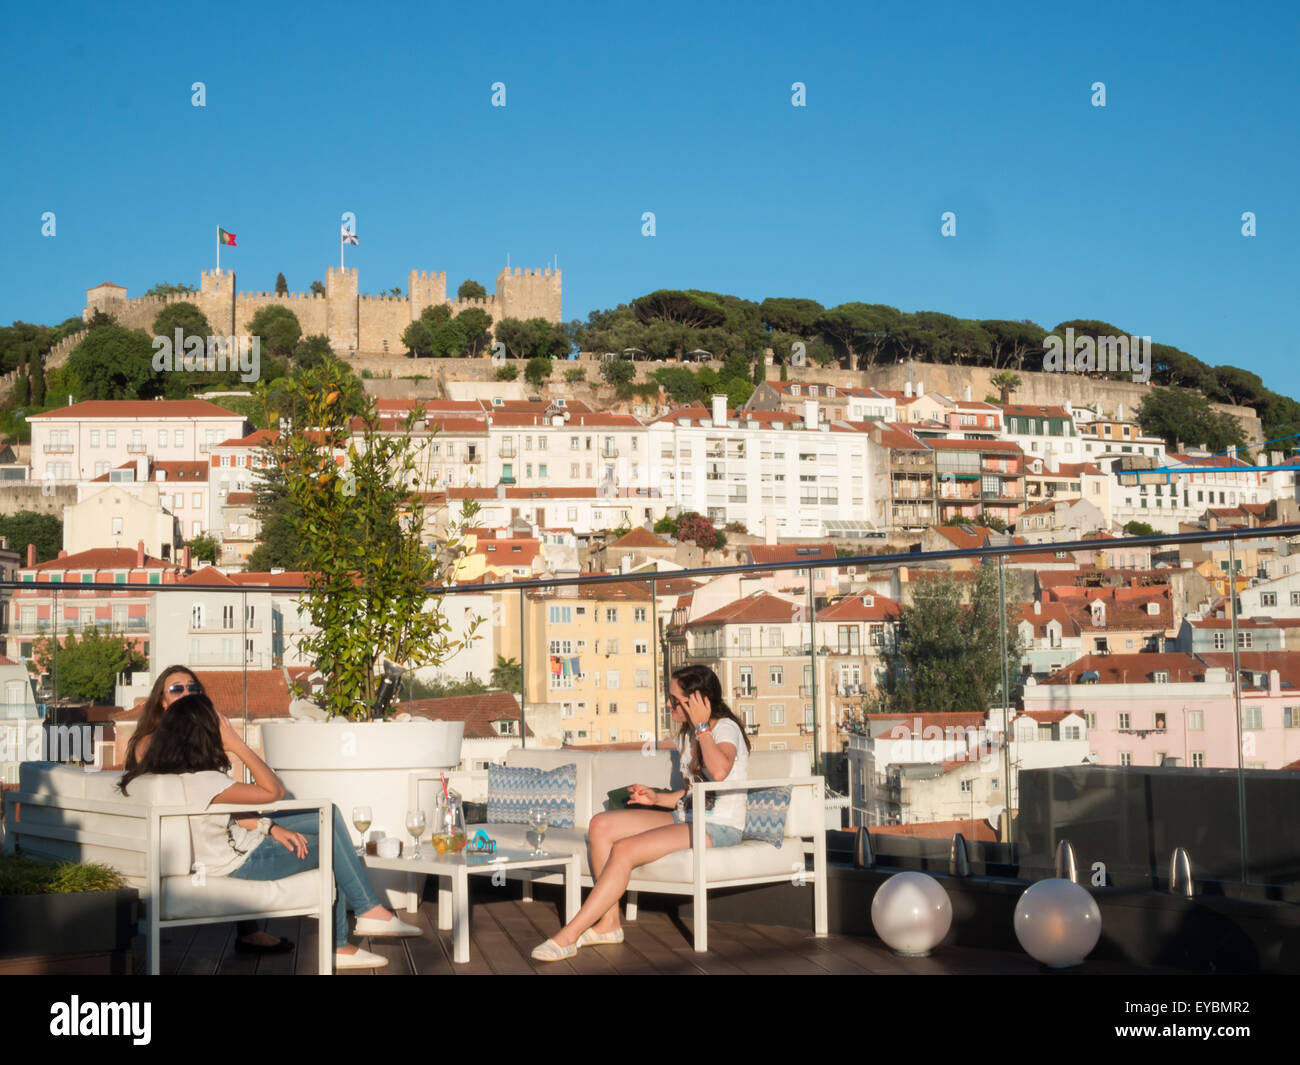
x: 366, y: 763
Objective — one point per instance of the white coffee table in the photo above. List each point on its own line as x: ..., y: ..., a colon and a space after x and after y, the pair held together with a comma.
x: 454, y: 870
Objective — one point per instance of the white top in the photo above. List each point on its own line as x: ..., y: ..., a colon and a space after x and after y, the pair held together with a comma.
x: 729, y: 806
x: 212, y: 836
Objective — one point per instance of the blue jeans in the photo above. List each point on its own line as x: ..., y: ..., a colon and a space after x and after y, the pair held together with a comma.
x: 271, y: 860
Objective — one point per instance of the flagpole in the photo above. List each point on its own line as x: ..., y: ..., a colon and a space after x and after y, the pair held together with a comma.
x: 341, y: 243
x: 218, y: 251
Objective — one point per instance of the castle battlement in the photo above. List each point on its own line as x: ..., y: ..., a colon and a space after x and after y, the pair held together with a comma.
x: 354, y: 323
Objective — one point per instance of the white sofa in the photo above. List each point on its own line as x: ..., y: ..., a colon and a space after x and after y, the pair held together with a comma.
x: 702, y: 868
x: 70, y: 814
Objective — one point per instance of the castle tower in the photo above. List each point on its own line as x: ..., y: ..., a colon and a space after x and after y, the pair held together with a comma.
x: 524, y: 294
x: 341, y: 314
x: 427, y: 288
x: 216, y: 300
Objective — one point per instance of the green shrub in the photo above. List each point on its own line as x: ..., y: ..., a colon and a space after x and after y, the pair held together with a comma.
x: 20, y: 875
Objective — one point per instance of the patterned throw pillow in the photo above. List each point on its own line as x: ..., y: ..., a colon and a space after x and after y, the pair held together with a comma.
x: 514, y: 790
x: 765, y: 813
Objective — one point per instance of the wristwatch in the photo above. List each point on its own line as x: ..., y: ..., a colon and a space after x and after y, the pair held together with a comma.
x: 264, y: 825
x: 702, y: 728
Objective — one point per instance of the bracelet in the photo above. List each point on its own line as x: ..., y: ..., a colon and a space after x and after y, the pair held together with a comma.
x: 702, y: 728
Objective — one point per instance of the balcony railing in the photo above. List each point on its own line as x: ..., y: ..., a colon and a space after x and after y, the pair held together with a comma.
x: 57, y: 449
x: 861, y: 739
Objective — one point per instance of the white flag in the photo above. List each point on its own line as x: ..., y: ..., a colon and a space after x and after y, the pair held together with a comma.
x: 348, y: 236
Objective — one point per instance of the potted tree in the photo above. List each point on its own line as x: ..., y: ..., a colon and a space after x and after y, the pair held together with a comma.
x: 358, y: 495
x: 64, y: 917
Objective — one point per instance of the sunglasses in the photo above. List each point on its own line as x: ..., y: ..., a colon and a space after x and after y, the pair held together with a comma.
x: 176, y: 689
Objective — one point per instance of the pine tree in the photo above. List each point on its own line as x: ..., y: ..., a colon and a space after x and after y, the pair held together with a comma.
x: 38, y: 379
x: 281, y: 285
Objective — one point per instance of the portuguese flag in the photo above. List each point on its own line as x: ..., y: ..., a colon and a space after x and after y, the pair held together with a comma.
x: 225, y: 238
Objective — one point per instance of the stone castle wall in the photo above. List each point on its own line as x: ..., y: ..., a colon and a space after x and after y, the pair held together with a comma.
x: 355, y: 324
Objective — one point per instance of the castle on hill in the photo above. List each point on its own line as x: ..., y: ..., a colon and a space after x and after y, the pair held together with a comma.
x: 355, y: 324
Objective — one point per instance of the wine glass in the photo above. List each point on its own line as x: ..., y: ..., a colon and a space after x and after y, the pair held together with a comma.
x: 361, y: 821
x: 415, y: 823
x: 540, y: 821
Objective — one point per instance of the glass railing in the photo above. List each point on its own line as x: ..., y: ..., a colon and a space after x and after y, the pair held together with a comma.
x: 1012, y: 696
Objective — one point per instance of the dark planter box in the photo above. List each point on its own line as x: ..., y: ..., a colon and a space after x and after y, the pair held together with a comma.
x: 85, y: 932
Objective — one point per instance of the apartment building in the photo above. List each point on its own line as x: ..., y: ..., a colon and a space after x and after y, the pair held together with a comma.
x: 86, y: 440
x: 835, y: 402
x: 596, y: 646
x: 1059, y: 520
x: 216, y: 624
x: 856, y: 636
x: 742, y: 465
x: 117, y: 515
x: 1045, y: 481
x: 1047, y: 431
x: 979, y: 476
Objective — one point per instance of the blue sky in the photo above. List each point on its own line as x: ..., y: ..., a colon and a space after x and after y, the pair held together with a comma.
x: 1129, y: 213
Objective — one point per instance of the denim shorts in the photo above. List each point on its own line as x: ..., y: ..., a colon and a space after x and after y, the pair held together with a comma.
x: 719, y: 835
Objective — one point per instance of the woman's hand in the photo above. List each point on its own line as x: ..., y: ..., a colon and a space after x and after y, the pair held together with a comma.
x: 698, y: 710
x: 228, y: 733
x: 640, y: 795
x: 291, y: 841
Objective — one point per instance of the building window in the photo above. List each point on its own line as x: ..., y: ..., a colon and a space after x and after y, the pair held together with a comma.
x: 1252, y: 717
x: 1220, y: 641
x: 1291, y: 717
x: 641, y: 647
x: 1123, y: 722
x: 1195, y: 720
x: 1198, y: 759
x: 776, y: 713
x: 1125, y: 757
x: 967, y: 787
x: 613, y: 680
x: 642, y: 678
x: 1268, y: 598
x: 560, y: 615
x: 639, y: 613
x: 1245, y: 640
x: 776, y: 676
x: 611, y: 615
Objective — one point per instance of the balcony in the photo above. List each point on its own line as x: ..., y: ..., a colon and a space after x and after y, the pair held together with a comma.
x: 57, y: 449
x: 139, y: 447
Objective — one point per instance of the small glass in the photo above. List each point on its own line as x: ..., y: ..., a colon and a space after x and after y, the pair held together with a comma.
x: 415, y: 825
x: 540, y: 821
x: 361, y: 821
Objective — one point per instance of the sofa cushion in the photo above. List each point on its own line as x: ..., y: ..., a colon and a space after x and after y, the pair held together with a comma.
x: 537, y: 758
x: 618, y: 769
x: 216, y: 896
x: 807, y: 816
x: 515, y: 790
x: 765, y: 815
x: 746, y: 859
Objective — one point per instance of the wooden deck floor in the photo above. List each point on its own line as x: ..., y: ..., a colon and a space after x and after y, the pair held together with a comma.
x: 503, y: 932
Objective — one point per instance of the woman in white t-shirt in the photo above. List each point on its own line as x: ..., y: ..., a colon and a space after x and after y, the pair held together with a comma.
x: 194, y: 742
x: 713, y: 746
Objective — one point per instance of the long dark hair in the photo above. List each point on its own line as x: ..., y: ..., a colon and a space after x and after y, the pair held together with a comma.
x: 152, y: 712
x: 702, y: 679
x: 187, y: 740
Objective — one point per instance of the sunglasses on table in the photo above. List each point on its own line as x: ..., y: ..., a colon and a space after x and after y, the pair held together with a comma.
x: 176, y: 689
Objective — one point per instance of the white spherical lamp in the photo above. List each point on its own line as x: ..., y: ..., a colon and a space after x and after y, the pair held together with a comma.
x: 911, y: 913
x: 1057, y: 922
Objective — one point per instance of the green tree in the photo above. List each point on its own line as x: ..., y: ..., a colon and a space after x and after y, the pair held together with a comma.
x: 281, y: 285
x: 517, y: 336
x: 36, y: 374
x: 1179, y: 414
x: 28, y: 527
x: 204, y: 548
x: 538, y: 371
x: 184, y: 316
x: 87, y: 668
x: 448, y: 340
x: 317, y: 289
x: 507, y: 675
x: 949, y: 655
x: 111, y: 363
x: 1005, y: 382
x: 666, y: 526
x: 471, y: 290
x: 312, y: 351
x: 444, y: 687
x: 617, y: 372
x: 475, y: 322
x: 507, y: 373
x: 1138, y: 528
x: 362, y: 528
x: 418, y: 339
x: 165, y: 289
x: 279, y: 329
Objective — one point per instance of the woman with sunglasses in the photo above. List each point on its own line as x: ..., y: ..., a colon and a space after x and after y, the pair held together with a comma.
x: 172, y: 684
x: 713, y: 746
x: 194, y: 742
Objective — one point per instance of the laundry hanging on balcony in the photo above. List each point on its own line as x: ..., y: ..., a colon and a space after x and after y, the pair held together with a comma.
x: 564, y: 667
